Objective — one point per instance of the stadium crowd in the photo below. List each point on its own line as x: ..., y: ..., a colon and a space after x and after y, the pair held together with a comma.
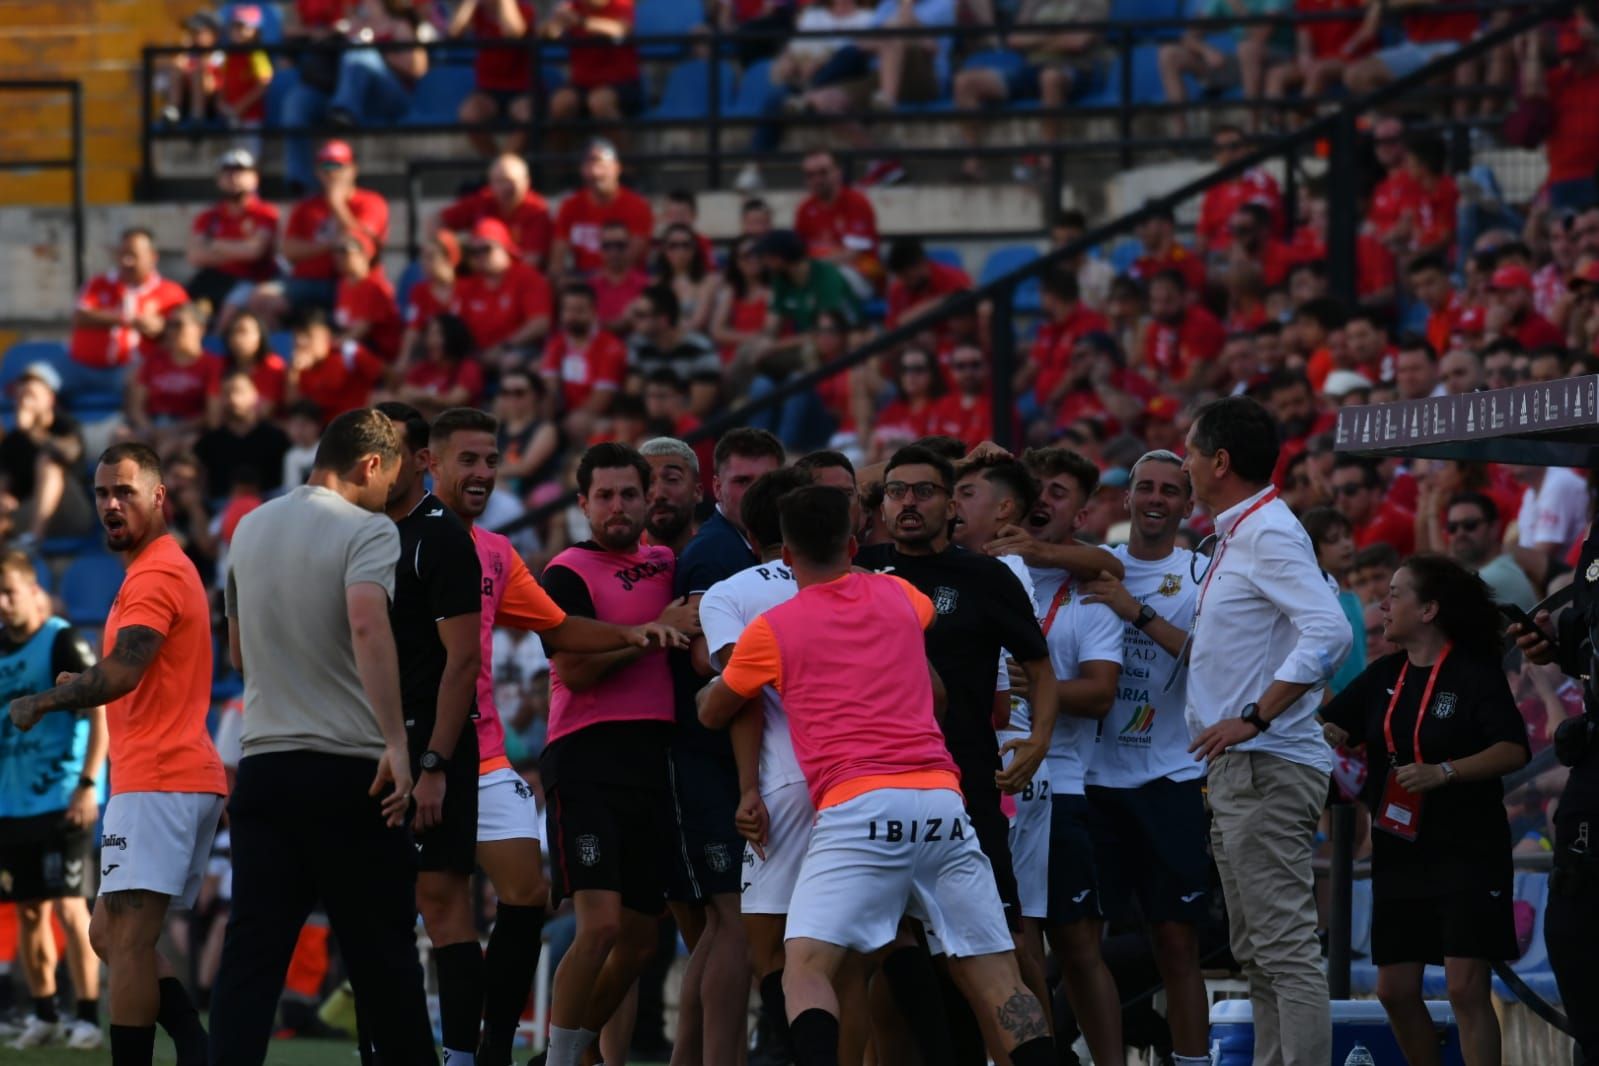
x: 606, y: 330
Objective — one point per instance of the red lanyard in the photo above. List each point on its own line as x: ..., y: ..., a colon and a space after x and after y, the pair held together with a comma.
x: 1221, y: 549
x: 1062, y: 595
x: 1421, y: 712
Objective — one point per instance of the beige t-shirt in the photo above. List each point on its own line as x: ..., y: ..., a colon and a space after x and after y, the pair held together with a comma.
x: 292, y: 560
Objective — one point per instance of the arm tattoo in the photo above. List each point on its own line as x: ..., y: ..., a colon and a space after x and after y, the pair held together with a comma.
x: 135, y: 648
x: 1022, y: 1017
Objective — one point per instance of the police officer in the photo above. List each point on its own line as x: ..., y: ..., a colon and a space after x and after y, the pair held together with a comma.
x: 1571, y: 926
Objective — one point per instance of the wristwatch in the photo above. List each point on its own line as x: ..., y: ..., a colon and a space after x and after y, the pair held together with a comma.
x: 1146, y: 615
x: 433, y: 762
x: 87, y: 782
x: 1450, y: 773
x: 1252, y: 716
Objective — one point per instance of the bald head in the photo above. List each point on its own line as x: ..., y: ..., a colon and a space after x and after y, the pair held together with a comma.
x: 509, y: 178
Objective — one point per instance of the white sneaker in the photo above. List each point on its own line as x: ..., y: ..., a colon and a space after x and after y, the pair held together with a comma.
x: 84, y: 1036
x: 37, y: 1033
x: 749, y: 179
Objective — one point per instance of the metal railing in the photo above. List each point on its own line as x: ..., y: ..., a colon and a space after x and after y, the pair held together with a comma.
x: 1122, y: 38
x: 73, y: 162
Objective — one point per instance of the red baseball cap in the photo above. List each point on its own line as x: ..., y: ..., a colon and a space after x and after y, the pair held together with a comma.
x: 245, y: 15
x: 449, y: 245
x: 337, y: 152
x: 493, y: 231
x: 1472, y: 320
x: 1587, y: 273
x: 1511, y: 277
x: 1161, y: 409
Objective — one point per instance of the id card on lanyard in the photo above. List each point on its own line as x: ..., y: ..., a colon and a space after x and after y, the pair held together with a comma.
x: 1399, y: 812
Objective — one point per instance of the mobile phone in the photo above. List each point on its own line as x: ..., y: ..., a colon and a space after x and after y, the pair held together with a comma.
x: 1521, y: 618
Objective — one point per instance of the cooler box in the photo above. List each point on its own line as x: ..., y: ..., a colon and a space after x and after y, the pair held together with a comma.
x: 1232, y: 1032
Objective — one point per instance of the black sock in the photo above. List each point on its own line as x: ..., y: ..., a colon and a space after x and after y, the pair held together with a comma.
x: 509, y: 964
x: 460, y: 969
x: 815, y: 1038
x: 182, y: 1023
x: 89, y: 1010
x: 44, y: 1008
x: 774, y: 1010
x: 914, y: 983
x: 1039, y: 1051
x: 132, y: 1045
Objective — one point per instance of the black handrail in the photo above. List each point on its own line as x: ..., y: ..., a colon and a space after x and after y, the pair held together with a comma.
x: 73, y: 162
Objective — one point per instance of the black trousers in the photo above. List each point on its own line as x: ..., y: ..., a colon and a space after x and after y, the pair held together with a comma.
x: 304, y: 830
x: 1571, y: 932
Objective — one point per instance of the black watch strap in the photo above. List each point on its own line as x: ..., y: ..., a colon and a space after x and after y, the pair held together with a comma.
x: 87, y: 782
x: 1252, y: 716
x: 1146, y: 615
x: 432, y: 761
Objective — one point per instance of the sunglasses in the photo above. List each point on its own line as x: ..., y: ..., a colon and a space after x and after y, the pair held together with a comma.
x: 1351, y: 489
x: 922, y: 490
x: 480, y: 249
x: 613, y: 246
x: 1465, y: 525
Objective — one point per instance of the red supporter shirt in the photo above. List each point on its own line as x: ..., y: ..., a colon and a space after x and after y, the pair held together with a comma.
x: 1390, y: 525
x: 1426, y: 28
x: 1374, y: 264
x: 582, y: 216
x: 1174, y: 350
x: 370, y: 300
x: 1534, y: 331
x: 613, y: 298
x: 312, y: 220
x: 242, y: 74
x: 1441, y: 324
x: 270, y: 376
x: 1085, y: 403
x: 928, y: 422
x: 254, y: 215
x: 1389, y: 198
x: 598, y: 364
x: 322, y: 13
x: 1328, y: 37
x: 501, y: 70
x: 848, y: 222
x: 1177, y: 258
x: 177, y: 390
x: 1433, y: 212
x: 529, y: 223
x: 1052, y: 347
x: 969, y: 419
x: 102, y: 346
x: 1224, y: 200
x: 439, y: 378
x: 1573, y: 142
x: 1275, y: 259
x: 422, y: 305
x: 343, y: 381
x: 608, y: 64
x: 495, y: 312
x: 942, y: 280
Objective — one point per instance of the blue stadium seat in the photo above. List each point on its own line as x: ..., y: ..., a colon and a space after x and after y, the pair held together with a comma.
x: 281, y: 342
x: 1141, y: 10
x: 1124, y: 253
x: 214, y: 344
x: 89, y: 586
x: 947, y: 256
x: 271, y: 21
x: 662, y: 18
x: 688, y: 90
x: 85, y: 390
x: 402, y: 288
x: 284, y: 78
x: 1146, y: 87
x: 757, y: 94
x: 437, y: 97
x: 1005, y: 259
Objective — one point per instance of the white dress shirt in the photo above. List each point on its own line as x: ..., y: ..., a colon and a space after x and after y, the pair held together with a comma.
x: 1267, y: 615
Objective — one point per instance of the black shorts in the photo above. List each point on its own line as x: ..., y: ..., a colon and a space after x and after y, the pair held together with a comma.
x: 613, y: 838
x: 710, y: 853
x: 1465, y: 923
x: 993, y: 836
x: 45, y: 857
x: 1149, y: 845
x: 450, y: 846
x: 1074, y: 891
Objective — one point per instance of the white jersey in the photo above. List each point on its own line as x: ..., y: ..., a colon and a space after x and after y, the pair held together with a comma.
x: 726, y: 610
x: 1145, y: 736
x: 1080, y: 632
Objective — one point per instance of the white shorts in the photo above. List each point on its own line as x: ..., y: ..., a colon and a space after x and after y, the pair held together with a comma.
x: 892, y: 851
x: 158, y: 842
x: 769, y: 882
x: 506, y: 809
x: 1029, y: 845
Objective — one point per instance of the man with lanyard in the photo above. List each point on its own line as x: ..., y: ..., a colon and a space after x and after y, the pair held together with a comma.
x: 49, y: 803
x: 605, y: 767
x: 464, y: 455
x: 891, y: 832
x: 774, y: 809
x: 1268, y: 632
x: 1571, y: 927
x: 1085, y: 651
x: 982, y: 610
x: 704, y: 778
x: 1144, y: 791
x: 435, y: 616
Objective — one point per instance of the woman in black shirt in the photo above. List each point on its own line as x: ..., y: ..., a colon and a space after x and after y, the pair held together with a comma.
x: 1441, y: 874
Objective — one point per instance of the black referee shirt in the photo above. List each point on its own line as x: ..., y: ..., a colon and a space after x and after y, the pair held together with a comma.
x: 438, y: 577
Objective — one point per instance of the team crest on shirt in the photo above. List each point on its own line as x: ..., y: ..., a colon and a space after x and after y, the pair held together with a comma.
x: 1593, y: 571
x: 588, y: 849
x: 1170, y: 585
x: 945, y: 599
x: 717, y: 857
x: 1444, y: 705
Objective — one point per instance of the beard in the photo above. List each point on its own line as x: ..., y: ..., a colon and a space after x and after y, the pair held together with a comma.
x: 667, y: 525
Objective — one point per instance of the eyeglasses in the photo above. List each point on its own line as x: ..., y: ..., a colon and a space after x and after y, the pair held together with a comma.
x: 922, y: 490
x: 1465, y: 525
x: 480, y: 249
x: 613, y: 246
x: 1351, y: 489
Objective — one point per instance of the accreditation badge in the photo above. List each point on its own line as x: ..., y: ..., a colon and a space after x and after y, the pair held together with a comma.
x: 1399, y: 813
